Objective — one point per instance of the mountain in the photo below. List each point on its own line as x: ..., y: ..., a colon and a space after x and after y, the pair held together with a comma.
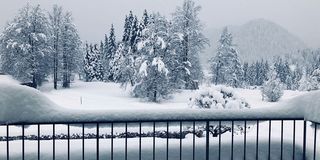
x: 255, y: 40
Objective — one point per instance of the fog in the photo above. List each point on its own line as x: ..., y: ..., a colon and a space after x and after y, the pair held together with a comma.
x: 93, y: 18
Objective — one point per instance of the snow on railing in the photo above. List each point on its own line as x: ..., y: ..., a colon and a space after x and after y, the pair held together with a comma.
x: 20, y: 104
x: 24, y: 106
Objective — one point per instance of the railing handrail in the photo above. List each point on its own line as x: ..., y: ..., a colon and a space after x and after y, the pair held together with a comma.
x: 162, y: 115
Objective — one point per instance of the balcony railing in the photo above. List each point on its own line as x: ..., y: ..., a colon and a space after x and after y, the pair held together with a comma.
x: 178, y: 138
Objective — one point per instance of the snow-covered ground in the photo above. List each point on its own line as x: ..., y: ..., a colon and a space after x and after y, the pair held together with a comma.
x: 98, y: 95
x: 107, y: 97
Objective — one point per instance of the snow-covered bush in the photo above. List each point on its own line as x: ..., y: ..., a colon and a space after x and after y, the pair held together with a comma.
x: 220, y: 97
x: 272, y: 89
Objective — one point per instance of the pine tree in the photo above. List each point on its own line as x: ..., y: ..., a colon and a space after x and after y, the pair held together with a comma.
x: 110, y: 56
x: 99, y: 69
x: 305, y: 83
x: 186, y: 24
x: 225, y: 66
x: 25, y: 46
x: 71, y: 50
x: 273, y: 88
x: 92, y: 63
x: 153, y: 74
x: 246, y: 78
x: 145, y: 19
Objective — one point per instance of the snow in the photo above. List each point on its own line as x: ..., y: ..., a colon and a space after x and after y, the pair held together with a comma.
x: 18, y: 30
x: 143, y: 68
x: 106, y: 102
x: 33, y: 106
x: 161, y: 42
x: 43, y: 36
x: 161, y: 66
x: 180, y: 35
x: 7, y: 79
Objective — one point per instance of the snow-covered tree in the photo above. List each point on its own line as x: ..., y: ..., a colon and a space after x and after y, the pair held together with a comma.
x: 315, y: 79
x: 71, y: 50
x: 116, y: 63
x: 110, y: 55
x: 66, y: 44
x: 225, y: 66
x: 92, y: 63
x: 55, y: 20
x: 310, y: 82
x: 25, y: 46
x: 187, y: 25
x: 272, y: 89
x: 152, y: 79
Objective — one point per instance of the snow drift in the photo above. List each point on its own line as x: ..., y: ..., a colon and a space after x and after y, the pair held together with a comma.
x: 20, y: 104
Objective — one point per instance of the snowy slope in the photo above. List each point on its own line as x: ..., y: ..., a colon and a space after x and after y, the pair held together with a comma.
x: 257, y: 39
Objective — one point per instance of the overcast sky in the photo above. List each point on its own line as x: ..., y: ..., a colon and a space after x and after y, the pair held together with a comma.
x: 94, y: 17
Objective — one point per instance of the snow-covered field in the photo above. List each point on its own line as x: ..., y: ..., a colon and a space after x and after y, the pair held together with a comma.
x: 109, y: 96
x: 99, y: 95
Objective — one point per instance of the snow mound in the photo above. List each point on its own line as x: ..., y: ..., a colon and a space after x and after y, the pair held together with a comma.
x: 7, y: 79
x: 21, y: 104
x: 309, y: 103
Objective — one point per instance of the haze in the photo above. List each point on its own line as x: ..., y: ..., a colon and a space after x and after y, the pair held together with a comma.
x: 93, y: 18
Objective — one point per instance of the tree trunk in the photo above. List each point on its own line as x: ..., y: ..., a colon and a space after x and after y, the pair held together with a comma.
x: 55, y: 63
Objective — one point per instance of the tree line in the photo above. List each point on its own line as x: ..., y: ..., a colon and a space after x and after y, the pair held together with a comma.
x: 35, y: 45
x: 155, y: 56
x: 299, y: 71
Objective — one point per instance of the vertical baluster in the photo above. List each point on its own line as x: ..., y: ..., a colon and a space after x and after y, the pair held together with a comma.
x: 180, y: 147
x: 22, y: 141
x: 97, y: 137
x: 167, y: 141
x: 8, y: 150
x: 38, y: 141
x: 257, y: 141
x: 269, y: 143
x: 207, y: 140
x: 82, y: 141
x: 304, y: 138
x: 111, y: 141
x: 219, y: 140
x: 315, y: 141
x: 53, y: 142
x: 294, y: 140
x: 281, y: 149
x: 154, y: 141
x: 68, y: 130
x: 245, y: 140
x: 140, y: 140
x: 194, y: 140
x: 126, y: 141
x: 232, y: 131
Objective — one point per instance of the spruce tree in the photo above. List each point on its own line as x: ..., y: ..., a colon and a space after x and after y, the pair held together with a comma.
x: 110, y: 55
x: 272, y: 89
x: 225, y: 66
x: 153, y: 73
x: 187, y: 25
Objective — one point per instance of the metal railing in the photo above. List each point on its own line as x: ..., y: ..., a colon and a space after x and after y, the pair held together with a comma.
x: 210, y: 131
